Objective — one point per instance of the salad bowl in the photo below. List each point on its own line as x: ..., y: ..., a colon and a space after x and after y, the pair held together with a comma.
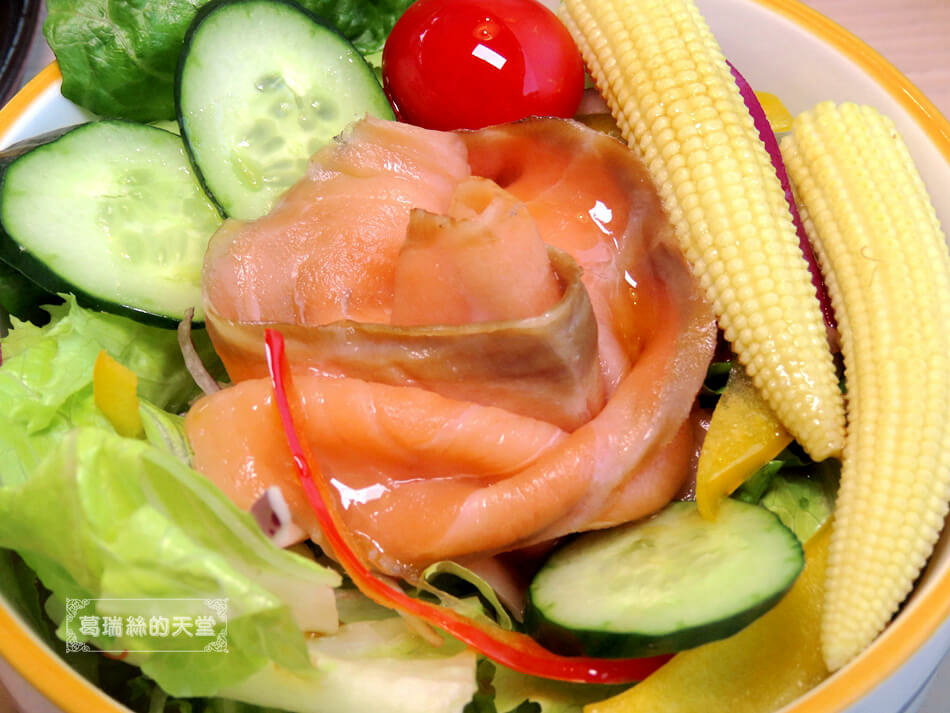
x: 782, y: 47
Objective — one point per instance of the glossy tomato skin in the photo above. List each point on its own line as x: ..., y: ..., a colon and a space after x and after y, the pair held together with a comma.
x: 466, y: 64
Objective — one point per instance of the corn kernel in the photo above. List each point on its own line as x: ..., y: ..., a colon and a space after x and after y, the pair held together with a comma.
x: 673, y: 96
x: 880, y: 244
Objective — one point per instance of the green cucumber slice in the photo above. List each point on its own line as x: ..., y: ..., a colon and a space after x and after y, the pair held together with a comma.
x: 262, y: 85
x: 110, y: 211
x: 668, y: 583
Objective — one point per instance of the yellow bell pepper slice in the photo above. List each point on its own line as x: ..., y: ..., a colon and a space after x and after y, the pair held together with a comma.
x: 759, y: 670
x: 114, y: 392
x: 744, y: 434
x: 779, y: 117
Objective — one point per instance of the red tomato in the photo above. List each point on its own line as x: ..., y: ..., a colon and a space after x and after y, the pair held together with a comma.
x: 454, y: 64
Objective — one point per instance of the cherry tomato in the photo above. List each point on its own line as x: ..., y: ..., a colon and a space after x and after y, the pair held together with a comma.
x: 465, y: 64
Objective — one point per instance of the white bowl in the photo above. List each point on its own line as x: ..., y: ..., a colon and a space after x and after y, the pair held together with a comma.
x: 780, y: 46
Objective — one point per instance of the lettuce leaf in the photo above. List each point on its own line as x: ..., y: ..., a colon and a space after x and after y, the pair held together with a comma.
x: 118, y: 59
x: 21, y: 590
x: 97, y: 516
x: 106, y: 517
x: 453, y: 570
x: 62, y: 354
x: 46, y: 383
x: 18, y: 585
x: 100, y: 526
x: 514, y: 689
x: 111, y: 518
x: 798, y: 490
x: 502, y: 690
x: 484, y: 699
x: 365, y: 23
x: 380, y: 666
x: 804, y: 501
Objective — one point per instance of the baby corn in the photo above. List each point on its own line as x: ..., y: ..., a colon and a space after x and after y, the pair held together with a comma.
x: 675, y: 101
x: 888, y: 273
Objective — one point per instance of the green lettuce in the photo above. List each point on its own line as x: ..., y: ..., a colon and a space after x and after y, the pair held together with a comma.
x: 100, y: 517
x: 798, y: 490
x: 447, y: 569
x: 484, y: 699
x: 117, y: 520
x: 804, y: 501
x: 25, y: 596
x: 380, y: 666
x: 365, y: 23
x: 502, y: 690
x: 62, y: 354
x: 19, y: 586
x: 46, y: 383
x: 98, y: 527
x: 143, y: 695
x: 118, y: 59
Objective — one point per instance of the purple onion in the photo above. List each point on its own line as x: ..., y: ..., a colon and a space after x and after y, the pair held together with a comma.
x: 761, y: 122
x: 273, y: 515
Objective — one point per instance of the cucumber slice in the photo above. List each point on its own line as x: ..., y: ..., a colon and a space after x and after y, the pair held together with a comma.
x: 665, y: 584
x: 262, y: 85
x: 111, y: 212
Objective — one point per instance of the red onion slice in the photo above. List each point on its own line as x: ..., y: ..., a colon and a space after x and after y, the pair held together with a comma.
x: 273, y: 515
x: 771, y: 145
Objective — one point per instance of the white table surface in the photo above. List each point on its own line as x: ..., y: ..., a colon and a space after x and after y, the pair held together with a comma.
x: 914, y: 35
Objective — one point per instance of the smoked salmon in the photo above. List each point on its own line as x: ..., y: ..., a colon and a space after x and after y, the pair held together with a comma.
x: 494, y: 340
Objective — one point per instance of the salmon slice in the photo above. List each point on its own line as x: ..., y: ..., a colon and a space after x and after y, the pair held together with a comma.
x: 432, y: 467
x: 391, y: 452
x: 544, y: 367
x: 422, y: 478
x: 618, y: 449
x: 310, y: 260
x: 377, y: 298
x: 591, y: 200
x: 482, y: 262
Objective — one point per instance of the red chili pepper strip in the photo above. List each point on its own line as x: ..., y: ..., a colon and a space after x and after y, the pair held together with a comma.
x: 512, y: 649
